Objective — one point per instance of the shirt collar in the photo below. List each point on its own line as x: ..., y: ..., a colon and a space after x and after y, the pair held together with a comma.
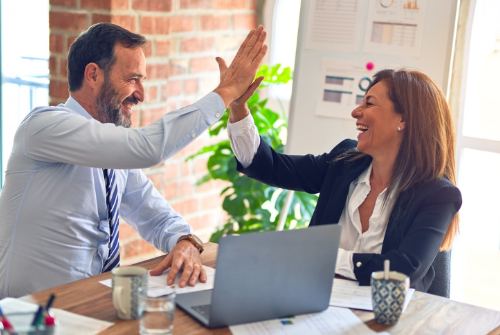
x: 364, y: 178
x: 74, y: 105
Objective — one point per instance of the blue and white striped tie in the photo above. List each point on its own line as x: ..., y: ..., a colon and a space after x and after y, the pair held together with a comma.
x: 113, y: 212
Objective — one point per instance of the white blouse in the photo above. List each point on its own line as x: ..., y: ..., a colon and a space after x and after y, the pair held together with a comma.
x: 245, y: 142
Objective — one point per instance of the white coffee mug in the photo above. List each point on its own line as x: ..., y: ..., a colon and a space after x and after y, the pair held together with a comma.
x: 126, y: 282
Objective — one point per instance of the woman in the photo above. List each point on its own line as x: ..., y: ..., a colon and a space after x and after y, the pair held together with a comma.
x: 393, y: 190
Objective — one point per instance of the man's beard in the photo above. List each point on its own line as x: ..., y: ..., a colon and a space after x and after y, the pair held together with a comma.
x: 108, y: 106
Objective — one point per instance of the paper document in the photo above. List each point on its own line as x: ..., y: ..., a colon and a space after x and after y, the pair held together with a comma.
x: 333, y: 321
x: 69, y: 323
x: 157, y: 285
x: 334, y: 24
x: 348, y: 293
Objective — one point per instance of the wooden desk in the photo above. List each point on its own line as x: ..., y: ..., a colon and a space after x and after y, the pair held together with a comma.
x: 426, y: 314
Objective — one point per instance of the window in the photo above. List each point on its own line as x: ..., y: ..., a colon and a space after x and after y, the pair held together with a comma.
x: 476, y: 252
x: 281, y: 19
x: 25, y: 71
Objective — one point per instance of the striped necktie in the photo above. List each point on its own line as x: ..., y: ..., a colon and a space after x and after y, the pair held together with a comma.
x: 113, y: 212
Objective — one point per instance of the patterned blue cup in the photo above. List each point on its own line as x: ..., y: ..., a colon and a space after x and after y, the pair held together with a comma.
x: 388, y: 296
x: 127, y: 283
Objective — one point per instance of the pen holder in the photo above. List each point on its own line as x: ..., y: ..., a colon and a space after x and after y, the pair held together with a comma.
x: 21, y: 324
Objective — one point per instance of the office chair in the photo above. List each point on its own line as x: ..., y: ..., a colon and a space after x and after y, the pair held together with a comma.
x: 441, y: 284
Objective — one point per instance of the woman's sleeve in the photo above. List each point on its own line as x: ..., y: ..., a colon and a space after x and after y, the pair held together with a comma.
x: 420, y: 245
x: 294, y: 172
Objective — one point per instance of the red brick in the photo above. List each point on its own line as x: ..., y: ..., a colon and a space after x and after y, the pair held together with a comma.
x: 174, y: 87
x: 229, y: 43
x: 230, y: 4
x: 190, y: 86
x: 211, y: 202
x: 171, y: 191
x: 172, y: 106
x: 68, y: 21
x: 153, y: 5
x: 136, y: 248
x: 147, y: 49
x: 119, y: 4
x: 63, y: 67
x: 186, y: 168
x: 151, y: 115
x: 197, y: 44
x: 200, y: 165
x: 212, y: 185
x: 152, y: 93
x: 53, y: 68
x: 171, y: 170
x: 70, y: 41
x: 56, y: 43
x: 55, y: 101
x: 244, y: 21
x: 214, y: 22
x: 195, y: 4
x: 187, y: 206
x: 135, y: 117
x: 128, y: 22
x: 200, y: 222
x: 186, y: 188
x: 178, y: 66
x: 162, y: 47
x: 97, y: 18
x: 252, y: 4
x: 154, y: 25
x: 181, y: 24
x: 58, y: 89
x: 127, y: 232
x: 63, y: 3
x: 157, y: 179
x: 157, y: 71
x: 203, y: 64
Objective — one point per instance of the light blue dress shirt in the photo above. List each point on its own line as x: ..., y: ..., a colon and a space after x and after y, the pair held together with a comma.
x: 54, y: 225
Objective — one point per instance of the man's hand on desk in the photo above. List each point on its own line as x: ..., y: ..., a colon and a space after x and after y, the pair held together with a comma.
x: 184, y: 256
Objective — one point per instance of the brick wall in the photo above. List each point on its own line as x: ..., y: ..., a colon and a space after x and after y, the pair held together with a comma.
x: 184, y: 38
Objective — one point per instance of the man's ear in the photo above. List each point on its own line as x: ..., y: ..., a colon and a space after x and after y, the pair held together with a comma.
x: 93, y: 75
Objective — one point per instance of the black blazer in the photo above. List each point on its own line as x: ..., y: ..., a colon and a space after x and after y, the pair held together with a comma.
x: 416, y: 226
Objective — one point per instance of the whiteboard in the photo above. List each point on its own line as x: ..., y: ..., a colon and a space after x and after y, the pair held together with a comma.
x: 310, y: 132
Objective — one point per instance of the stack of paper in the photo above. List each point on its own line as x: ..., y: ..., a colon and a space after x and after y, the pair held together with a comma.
x: 157, y: 285
x: 348, y: 293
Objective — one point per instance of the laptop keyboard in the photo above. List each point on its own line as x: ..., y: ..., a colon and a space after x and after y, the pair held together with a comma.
x: 203, y: 310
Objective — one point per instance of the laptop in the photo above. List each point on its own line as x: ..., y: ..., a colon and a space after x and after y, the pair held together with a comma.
x: 269, y: 275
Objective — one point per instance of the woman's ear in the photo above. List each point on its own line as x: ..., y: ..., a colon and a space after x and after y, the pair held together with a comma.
x: 93, y: 75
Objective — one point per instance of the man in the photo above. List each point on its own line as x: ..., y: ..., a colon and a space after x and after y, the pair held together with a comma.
x: 74, y: 168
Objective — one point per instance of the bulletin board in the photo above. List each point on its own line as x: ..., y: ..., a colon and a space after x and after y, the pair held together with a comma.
x: 342, y: 43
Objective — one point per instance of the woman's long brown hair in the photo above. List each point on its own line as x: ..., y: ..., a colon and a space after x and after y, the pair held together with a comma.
x: 428, y: 148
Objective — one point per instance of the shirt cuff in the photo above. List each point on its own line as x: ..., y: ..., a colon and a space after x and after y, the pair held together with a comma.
x: 345, y: 266
x: 212, y: 107
x: 172, y: 241
x: 240, y: 127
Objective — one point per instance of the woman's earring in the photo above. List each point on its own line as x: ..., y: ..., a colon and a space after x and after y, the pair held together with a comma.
x: 399, y: 128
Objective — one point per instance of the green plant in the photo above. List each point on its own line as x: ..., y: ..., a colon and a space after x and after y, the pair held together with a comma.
x: 253, y: 206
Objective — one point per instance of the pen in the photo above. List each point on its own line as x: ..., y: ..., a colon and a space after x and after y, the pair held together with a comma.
x: 49, y: 302
x: 38, y: 316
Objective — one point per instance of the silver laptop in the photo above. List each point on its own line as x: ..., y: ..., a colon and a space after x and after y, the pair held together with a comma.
x: 268, y: 275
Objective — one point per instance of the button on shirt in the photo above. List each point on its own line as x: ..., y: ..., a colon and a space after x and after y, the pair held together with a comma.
x: 54, y: 225
x: 245, y: 142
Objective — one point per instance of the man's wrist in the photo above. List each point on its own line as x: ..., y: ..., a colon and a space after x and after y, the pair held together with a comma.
x: 226, y: 95
x: 195, y: 241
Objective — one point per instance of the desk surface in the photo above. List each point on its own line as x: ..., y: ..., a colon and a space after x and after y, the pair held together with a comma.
x: 426, y: 314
